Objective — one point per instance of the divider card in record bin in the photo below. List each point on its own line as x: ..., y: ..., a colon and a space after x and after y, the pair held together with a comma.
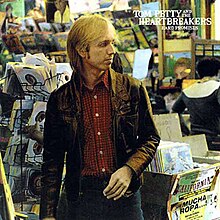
x: 196, y: 195
x: 168, y: 126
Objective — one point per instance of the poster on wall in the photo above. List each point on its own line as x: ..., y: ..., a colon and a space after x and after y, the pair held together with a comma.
x: 35, y: 8
x: 57, y: 11
x: 16, y: 8
x: 183, y: 11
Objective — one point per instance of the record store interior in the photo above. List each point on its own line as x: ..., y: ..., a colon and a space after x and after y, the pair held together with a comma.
x: 182, y: 182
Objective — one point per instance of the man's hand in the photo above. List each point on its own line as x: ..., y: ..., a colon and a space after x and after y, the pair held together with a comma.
x: 119, y: 183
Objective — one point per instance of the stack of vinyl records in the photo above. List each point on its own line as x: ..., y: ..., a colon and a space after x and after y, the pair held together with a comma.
x: 172, y: 158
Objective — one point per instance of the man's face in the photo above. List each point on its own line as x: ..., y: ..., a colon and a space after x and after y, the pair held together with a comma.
x: 101, y: 52
x: 180, y: 72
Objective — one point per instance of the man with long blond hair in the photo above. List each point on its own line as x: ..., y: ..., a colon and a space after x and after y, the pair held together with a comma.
x: 102, y: 122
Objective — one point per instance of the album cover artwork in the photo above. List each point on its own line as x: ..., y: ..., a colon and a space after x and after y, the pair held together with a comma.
x: 34, y: 154
x: 28, y: 24
x: 45, y: 27
x: 24, y: 185
x: 20, y: 115
x: 176, y: 158
x: 15, y: 154
x: 142, y: 42
x: 57, y: 27
x: 13, y: 43
x: 57, y: 11
x: 28, y: 41
x: 127, y: 68
x: 38, y: 114
x: 60, y: 41
x: 32, y: 79
x: 44, y: 39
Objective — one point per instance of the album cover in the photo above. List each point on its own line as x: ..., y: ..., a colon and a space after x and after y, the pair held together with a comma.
x: 25, y: 185
x: 57, y: 11
x: 13, y: 43
x: 141, y: 40
x: 172, y: 158
x: 16, y: 150
x: 44, y: 40
x: 127, y: 68
x: 60, y: 40
x: 45, y: 27
x: 20, y: 115
x: 28, y: 42
x: 38, y: 114
x: 34, y: 154
x: 176, y: 158
x: 28, y: 24
x: 32, y: 79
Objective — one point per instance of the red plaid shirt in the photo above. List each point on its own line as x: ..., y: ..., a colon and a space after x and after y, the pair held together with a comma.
x: 98, y: 150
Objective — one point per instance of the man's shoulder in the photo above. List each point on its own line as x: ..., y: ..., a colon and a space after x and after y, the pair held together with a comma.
x: 61, y: 90
x: 202, y: 89
x: 125, y: 78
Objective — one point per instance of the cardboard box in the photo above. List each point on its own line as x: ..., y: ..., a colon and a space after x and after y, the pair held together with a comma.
x: 191, y: 195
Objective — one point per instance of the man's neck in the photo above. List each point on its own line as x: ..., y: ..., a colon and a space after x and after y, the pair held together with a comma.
x: 91, y: 79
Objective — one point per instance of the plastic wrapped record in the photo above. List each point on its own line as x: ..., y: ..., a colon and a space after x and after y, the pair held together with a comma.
x: 20, y: 115
x: 15, y: 154
x: 33, y: 182
x: 38, y: 114
x: 26, y: 187
x: 32, y: 79
x: 34, y: 153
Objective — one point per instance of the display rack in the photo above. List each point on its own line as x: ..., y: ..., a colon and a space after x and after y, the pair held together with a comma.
x: 22, y: 155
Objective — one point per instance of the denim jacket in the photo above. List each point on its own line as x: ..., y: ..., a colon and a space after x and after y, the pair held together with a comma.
x: 134, y: 136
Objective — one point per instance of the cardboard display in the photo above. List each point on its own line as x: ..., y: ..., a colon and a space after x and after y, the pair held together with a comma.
x: 191, y: 195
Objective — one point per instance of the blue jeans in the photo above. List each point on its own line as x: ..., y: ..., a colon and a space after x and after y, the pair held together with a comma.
x: 93, y: 205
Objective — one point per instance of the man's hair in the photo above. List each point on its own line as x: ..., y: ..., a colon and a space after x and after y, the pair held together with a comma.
x: 183, y: 61
x: 85, y: 30
x: 208, y: 67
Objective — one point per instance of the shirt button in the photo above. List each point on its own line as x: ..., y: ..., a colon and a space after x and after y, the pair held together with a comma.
x: 99, y: 133
x: 95, y: 97
x: 97, y: 114
x: 103, y: 170
x: 101, y: 152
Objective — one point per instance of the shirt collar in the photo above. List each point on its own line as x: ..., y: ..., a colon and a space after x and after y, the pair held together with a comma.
x: 104, y: 80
